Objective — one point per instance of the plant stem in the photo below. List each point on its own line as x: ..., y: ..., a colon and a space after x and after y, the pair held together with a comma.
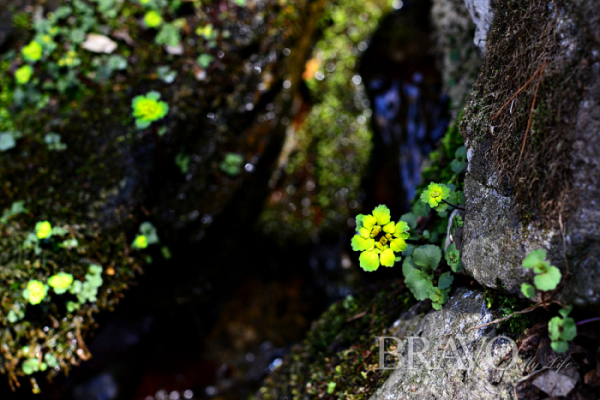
x: 587, y: 321
x: 457, y: 207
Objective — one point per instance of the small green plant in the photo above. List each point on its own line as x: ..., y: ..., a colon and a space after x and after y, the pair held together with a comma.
x: 147, y: 235
x: 35, y: 291
x: 16, y: 208
x: 232, y: 164
x: 54, y: 143
x: 547, y: 276
x: 148, y: 108
x: 23, y: 74
x: 460, y: 160
x: 88, y: 289
x: 204, y: 60
x: 562, y: 330
x: 453, y: 258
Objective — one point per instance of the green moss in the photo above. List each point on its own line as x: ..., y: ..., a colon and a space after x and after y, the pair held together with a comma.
x: 506, y: 305
x: 328, y: 147
x: 340, y: 350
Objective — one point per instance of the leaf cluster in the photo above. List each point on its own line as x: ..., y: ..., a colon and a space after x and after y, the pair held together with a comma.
x: 562, y: 330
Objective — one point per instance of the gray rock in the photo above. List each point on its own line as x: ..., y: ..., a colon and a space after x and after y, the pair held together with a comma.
x: 482, y: 13
x: 446, y: 329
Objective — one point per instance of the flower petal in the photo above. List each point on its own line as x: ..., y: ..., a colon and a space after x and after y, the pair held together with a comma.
x: 398, y: 245
x: 388, y: 258
x: 382, y: 214
x: 401, y: 230
x: 369, y: 221
x: 389, y: 228
x: 360, y: 244
x: 369, y: 260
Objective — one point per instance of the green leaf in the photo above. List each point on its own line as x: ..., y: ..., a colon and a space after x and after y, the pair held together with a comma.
x: 418, y: 284
x: 528, y: 290
x: 204, y: 60
x: 427, y: 256
x: 410, y: 219
x: 534, y: 259
x: 453, y: 259
x: 548, y: 280
x: 458, y: 166
x: 554, y: 327
x: 436, y: 306
x: 359, y: 223
x: 408, y: 265
x: 559, y: 346
x: 382, y: 214
x: 569, y: 329
x: 445, y: 280
x: 564, y: 312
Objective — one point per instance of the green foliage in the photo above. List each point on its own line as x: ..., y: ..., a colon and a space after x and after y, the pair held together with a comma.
x: 232, y: 164
x: 204, y: 60
x: 453, y: 258
x: 460, y: 160
x: 16, y: 208
x: 87, y: 291
x: 169, y: 34
x: 148, y: 108
x: 331, y: 387
x: 7, y: 141
x: 147, y: 235
x: 379, y: 239
x: 418, y: 271
x: 547, y: 276
x: 528, y: 290
x: 562, y: 330
x: 183, y: 162
x: 54, y: 143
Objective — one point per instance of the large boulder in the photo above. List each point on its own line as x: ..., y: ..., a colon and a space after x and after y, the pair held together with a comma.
x: 532, y: 179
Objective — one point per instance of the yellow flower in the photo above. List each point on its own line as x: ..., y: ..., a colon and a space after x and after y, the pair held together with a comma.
x: 152, y: 19
x: 435, y: 194
x: 23, y: 74
x: 32, y: 52
x: 148, y: 108
x: 140, y: 242
x: 43, y: 230
x: 60, y: 282
x: 35, y: 292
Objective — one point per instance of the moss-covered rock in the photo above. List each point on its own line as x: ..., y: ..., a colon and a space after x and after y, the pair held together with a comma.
x: 533, y: 167
x: 317, y: 182
x: 73, y: 156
